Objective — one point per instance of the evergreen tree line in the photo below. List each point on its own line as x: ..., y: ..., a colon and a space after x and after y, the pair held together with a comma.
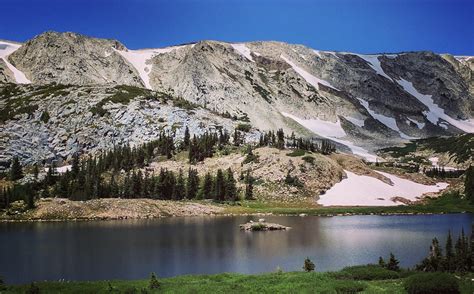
x: 440, y: 172
x: 469, y: 184
x: 277, y: 140
x: 457, y: 257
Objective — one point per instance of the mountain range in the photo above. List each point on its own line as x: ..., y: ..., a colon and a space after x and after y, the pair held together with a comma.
x: 62, y: 93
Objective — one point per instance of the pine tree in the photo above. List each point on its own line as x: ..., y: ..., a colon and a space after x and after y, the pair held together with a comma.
x: 382, y: 262
x: 393, y: 263
x: 249, y: 186
x: 449, y: 255
x: 35, y: 171
x: 186, y: 139
x: 16, y: 170
x: 192, y: 185
x: 180, y: 188
x: 206, y: 188
x: 280, y: 144
x: 230, y: 186
x: 219, y: 186
x: 308, y: 265
x: 154, y: 283
x: 469, y: 184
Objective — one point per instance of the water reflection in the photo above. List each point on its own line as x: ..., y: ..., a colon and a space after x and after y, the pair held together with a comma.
x: 132, y: 249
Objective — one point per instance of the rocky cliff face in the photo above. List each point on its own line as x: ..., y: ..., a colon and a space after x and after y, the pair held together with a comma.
x: 360, y: 101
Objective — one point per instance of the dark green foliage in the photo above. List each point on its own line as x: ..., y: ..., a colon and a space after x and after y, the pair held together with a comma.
x: 458, y: 147
x: 435, y: 283
x: 296, y: 153
x: 280, y: 143
x: 186, y: 139
x: 440, y: 172
x: 469, y: 184
x: 381, y: 262
x: 293, y: 180
x: 349, y: 287
x: 180, y: 188
x: 366, y: 273
x: 309, y: 159
x: 244, y: 127
x: 207, y: 186
x: 123, y: 94
x: 16, y: 170
x: 2, y: 284
x: 249, y: 180
x: 457, y: 258
x: 230, y: 186
x: 33, y: 289
x: 184, y: 104
x: 203, y: 146
x: 219, y: 189
x: 250, y: 157
x: 327, y: 147
x: 154, y: 283
x: 392, y: 263
x: 45, y: 116
x: 308, y: 265
x: 192, y: 184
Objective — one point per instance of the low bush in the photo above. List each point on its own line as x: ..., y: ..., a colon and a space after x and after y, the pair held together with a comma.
x: 367, y: 273
x: 427, y: 283
x: 308, y: 159
x: 244, y: 127
x: 349, y: 287
x: 296, y: 153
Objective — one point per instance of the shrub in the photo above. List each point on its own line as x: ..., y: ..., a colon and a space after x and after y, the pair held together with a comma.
x: 296, y: 153
x: 32, y: 289
x: 308, y: 159
x: 154, y: 283
x: 427, y: 283
x: 293, y: 181
x: 2, y: 284
x: 308, y: 265
x: 366, y: 272
x: 244, y: 127
x: 45, y: 116
x: 347, y: 287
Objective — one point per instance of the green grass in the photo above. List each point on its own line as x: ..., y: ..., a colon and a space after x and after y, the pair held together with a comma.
x: 447, y: 203
x: 296, y: 153
x: 290, y: 282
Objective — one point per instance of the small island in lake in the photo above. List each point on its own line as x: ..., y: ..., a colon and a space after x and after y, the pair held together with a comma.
x: 262, y: 225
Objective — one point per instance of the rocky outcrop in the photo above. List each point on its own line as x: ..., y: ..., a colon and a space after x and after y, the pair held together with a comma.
x: 70, y: 58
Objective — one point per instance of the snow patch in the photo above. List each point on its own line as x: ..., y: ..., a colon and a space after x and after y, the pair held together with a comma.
x: 374, y: 63
x: 139, y: 59
x: 332, y: 131
x: 314, y: 81
x: 61, y: 169
x: 356, y: 121
x: 389, y: 122
x: 359, y: 190
x: 418, y: 124
x: 7, y: 49
x: 243, y: 50
x: 435, y: 112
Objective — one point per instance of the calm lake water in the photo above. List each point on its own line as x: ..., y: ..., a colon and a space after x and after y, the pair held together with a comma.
x: 132, y: 249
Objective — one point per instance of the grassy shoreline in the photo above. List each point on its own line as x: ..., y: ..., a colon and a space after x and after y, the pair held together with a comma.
x: 277, y: 282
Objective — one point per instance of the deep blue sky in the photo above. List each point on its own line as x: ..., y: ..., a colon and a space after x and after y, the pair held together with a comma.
x: 364, y: 26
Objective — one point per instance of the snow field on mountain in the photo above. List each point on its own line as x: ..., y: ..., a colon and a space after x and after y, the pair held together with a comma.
x: 7, y: 49
x: 360, y: 190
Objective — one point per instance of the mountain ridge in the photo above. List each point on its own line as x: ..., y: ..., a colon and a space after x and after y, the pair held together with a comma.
x: 361, y: 101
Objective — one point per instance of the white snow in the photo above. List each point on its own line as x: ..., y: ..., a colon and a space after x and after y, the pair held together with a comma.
x: 356, y: 121
x: 61, y: 169
x: 387, y: 121
x: 358, y: 190
x: 256, y: 53
x: 434, y: 163
x: 332, y: 131
x: 7, y: 49
x: 435, y: 112
x: 314, y: 81
x: 374, y: 63
x: 420, y: 125
x: 139, y: 59
x: 242, y: 49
